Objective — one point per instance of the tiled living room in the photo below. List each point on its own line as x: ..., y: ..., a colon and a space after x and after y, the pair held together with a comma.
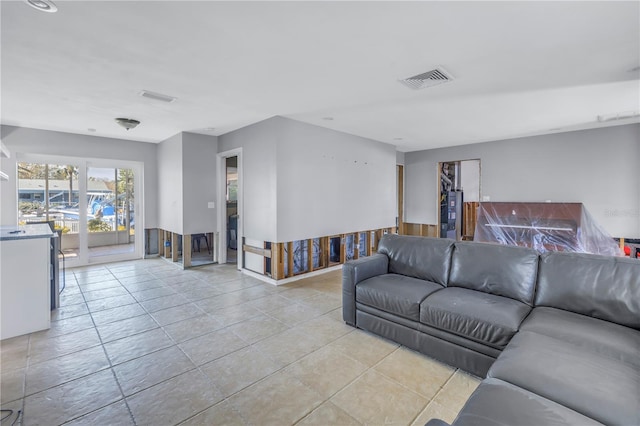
x: 319, y: 213
x: 143, y: 342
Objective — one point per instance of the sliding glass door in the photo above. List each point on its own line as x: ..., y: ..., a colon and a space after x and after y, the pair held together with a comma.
x: 48, y: 192
x: 110, y: 211
x: 93, y: 206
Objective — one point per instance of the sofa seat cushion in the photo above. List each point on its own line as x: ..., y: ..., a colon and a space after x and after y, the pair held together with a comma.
x: 498, y: 403
x: 591, y: 334
x: 397, y: 294
x: 595, y: 385
x: 485, y: 318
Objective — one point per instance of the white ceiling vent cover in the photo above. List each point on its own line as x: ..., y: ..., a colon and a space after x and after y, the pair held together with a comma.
x: 427, y: 79
x: 157, y: 96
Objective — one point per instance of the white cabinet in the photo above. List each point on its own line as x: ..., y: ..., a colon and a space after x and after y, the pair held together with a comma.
x: 25, y: 286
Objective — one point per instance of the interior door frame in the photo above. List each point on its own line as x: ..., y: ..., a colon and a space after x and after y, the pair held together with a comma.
x: 222, y: 206
x: 400, y: 197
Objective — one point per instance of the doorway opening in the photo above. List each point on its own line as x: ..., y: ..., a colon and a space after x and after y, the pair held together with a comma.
x: 229, y: 212
x: 458, y: 198
x: 231, y: 176
x: 111, y: 214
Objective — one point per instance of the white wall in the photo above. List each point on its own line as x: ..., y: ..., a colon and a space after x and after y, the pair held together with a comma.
x: 170, y: 201
x: 331, y: 182
x: 470, y: 180
x: 186, y: 183
x: 302, y: 181
x: 199, y: 182
x: 258, y: 143
x: 44, y: 142
x: 596, y: 167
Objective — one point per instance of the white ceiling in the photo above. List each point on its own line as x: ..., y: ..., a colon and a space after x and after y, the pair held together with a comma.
x: 520, y: 68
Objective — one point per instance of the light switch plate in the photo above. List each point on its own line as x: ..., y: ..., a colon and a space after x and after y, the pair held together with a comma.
x: 211, y: 205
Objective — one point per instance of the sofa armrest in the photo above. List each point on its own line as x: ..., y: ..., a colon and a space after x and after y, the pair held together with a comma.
x: 355, y: 271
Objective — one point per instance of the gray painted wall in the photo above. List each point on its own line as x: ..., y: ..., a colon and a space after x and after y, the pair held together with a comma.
x: 331, y: 182
x: 302, y: 181
x: 597, y: 167
x: 199, y: 182
x: 170, y: 200
x: 470, y: 179
x: 258, y: 143
x: 44, y: 142
x: 186, y: 183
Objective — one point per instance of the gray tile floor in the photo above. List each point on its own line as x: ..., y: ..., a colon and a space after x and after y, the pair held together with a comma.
x: 146, y: 343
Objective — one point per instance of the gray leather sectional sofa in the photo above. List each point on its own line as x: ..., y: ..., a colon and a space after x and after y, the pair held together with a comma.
x: 556, y: 335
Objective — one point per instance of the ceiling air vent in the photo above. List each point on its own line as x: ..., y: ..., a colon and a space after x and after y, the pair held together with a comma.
x: 427, y: 79
x: 157, y: 96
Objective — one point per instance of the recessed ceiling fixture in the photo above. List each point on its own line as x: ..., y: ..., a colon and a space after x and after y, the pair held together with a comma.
x: 42, y: 5
x: 427, y: 79
x: 397, y: 139
x: 157, y: 96
x: 127, y: 123
x: 91, y: 129
x: 618, y: 116
x: 209, y: 129
x: 327, y: 118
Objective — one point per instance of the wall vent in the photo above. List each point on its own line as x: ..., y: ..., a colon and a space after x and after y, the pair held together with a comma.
x: 427, y: 79
x: 157, y: 96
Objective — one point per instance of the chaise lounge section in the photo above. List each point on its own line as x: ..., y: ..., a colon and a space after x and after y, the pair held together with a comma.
x: 556, y: 335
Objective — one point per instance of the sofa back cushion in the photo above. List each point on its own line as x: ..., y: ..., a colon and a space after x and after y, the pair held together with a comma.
x: 602, y: 287
x: 419, y: 257
x: 506, y: 271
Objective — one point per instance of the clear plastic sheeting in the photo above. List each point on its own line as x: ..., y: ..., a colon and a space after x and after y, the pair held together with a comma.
x: 544, y: 227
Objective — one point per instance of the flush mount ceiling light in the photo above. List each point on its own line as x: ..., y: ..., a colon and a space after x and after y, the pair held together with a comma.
x: 42, y: 5
x: 127, y: 123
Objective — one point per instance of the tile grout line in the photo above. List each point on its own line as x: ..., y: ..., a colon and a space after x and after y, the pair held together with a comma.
x: 111, y: 365
x: 112, y: 373
x: 196, y: 366
x: 372, y: 368
x: 267, y: 376
x: 175, y: 344
x: 200, y: 278
x: 28, y: 365
x: 436, y: 394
